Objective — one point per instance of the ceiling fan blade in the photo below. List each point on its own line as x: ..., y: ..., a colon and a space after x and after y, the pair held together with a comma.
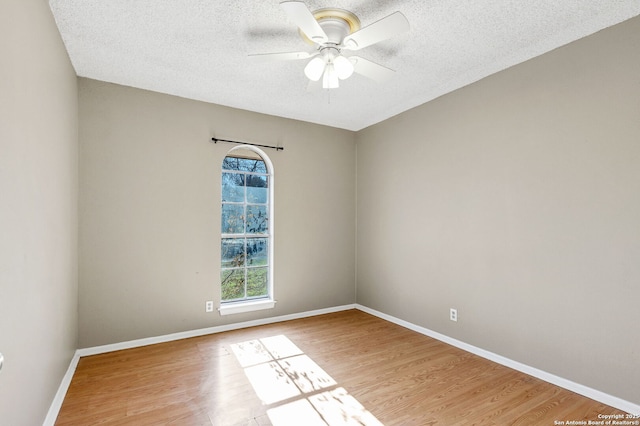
x: 303, y: 18
x: 383, y: 29
x: 284, y: 56
x: 370, y: 69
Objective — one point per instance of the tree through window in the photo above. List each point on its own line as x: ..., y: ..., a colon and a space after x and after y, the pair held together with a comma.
x: 246, y: 231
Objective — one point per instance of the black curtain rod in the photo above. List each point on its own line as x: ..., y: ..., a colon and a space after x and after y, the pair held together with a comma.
x: 277, y: 148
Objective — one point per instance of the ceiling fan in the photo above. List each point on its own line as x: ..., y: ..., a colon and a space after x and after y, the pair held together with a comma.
x: 332, y: 32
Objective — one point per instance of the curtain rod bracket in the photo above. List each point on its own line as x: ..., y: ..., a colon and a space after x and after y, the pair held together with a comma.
x: 277, y: 148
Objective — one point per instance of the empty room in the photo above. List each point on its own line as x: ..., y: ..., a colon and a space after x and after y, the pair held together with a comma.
x: 319, y: 212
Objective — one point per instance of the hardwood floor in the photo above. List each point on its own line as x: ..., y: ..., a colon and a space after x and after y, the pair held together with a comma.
x: 343, y: 368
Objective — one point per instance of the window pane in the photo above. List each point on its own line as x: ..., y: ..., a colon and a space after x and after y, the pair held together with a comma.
x: 244, y: 165
x: 232, y: 284
x: 257, y: 189
x: 232, y: 219
x: 256, y: 219
x: 233, y: 187
x: 233, y: 252
x: 256, y: 282
x: 257, y: 251
x: 245, y: 260
x: 231, y: 163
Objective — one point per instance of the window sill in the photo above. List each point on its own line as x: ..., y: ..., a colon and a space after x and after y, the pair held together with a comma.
x: 240, y: 307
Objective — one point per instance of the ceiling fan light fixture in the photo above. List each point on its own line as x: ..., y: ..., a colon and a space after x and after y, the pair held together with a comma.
x: 343, y: 67
x: 330, y: 78
x: 314, y: 69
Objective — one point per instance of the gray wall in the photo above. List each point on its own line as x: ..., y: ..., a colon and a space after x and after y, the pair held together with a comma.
x: 150, y: 212
x: 516, y: 200
x: 38, y: 211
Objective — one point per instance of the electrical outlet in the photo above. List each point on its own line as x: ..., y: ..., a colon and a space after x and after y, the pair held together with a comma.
x: 453, y: 314
x: 208, y: 306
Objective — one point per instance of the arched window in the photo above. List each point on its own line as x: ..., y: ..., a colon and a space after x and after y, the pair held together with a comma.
x: 246, y: 276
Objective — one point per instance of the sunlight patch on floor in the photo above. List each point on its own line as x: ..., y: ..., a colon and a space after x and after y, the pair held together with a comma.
x: 295, y: 387
x: 292, y: 413
x: 271, y: 383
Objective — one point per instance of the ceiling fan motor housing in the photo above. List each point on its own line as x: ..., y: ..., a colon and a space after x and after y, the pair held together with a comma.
x: 335, y: 28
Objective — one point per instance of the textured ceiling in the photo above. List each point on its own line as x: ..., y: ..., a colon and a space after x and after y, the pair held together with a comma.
x: 199, y: 49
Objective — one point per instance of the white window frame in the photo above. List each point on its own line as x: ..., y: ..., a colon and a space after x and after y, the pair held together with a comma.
x: 236, y: 307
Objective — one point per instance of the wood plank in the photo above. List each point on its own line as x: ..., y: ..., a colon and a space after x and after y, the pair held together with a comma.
x: 379, y: 373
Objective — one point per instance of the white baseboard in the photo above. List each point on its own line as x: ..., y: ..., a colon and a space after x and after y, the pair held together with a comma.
x: 54, y: 409
x: 594, y: 394
x: 209, y: 330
